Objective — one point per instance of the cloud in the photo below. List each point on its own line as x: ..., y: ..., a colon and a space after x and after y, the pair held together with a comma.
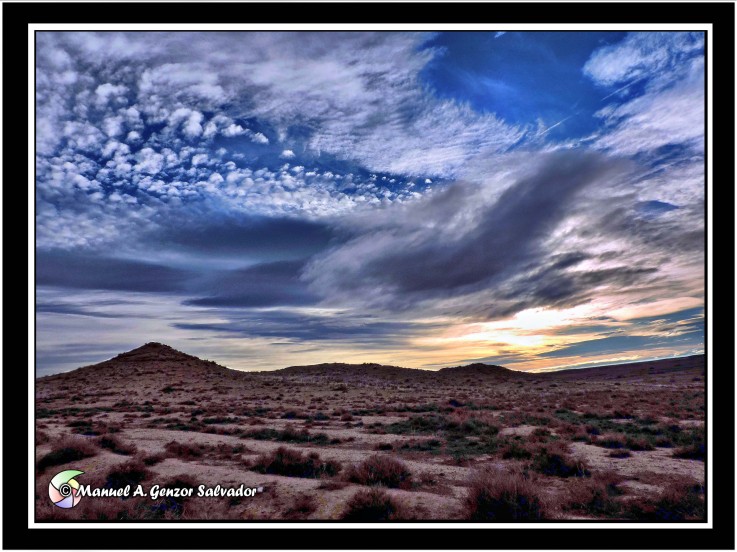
x: 84, y: 271
x: 669, y: 67
x: 167, y: 134
x: 233, y: 130
x: 657, y: 119
x: 243, y: 237
x: 643, y: 55
x: 259, y: 138
x: 360, y: 94
x: 459, y: 242
x: 106, y: 91
x: 189, y: 119
x: 66, y: 309
x: 350, y: 329
x: 616, y: 344
x: 262, y: 285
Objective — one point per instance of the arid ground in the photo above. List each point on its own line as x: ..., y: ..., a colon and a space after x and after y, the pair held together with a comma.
x: 371, y: 443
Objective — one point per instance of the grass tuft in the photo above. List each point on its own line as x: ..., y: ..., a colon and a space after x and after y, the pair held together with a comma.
x: 292, y: 463
x: 373, y: 505
x: 496, y: 496
x: 381, y: 470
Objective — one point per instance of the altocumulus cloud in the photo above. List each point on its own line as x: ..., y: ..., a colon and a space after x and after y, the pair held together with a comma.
x: 129, y: 123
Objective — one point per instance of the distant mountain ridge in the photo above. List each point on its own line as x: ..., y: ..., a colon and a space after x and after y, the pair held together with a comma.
x: 389, y: 371
x: 163, y: 359
x: 341, y: 368
x: 479, y: 368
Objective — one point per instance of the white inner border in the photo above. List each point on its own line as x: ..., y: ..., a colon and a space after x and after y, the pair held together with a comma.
x: 357, y: 27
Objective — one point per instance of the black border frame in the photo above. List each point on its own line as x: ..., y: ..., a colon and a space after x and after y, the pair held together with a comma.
x: 16, y: 17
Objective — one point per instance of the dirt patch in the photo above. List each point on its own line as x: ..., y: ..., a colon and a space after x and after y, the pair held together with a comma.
x: 656, y: 461
x: 523, y: 430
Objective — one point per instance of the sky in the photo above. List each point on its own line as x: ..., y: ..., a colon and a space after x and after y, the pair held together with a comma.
x: 528, y: 199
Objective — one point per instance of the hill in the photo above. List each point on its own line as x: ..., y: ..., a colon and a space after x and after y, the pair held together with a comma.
x: 481, y: 370
x: 154, y: 360
x: 161, y: 360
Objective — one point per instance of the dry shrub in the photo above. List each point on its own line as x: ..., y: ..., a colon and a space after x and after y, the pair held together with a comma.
x: 152, y: 459
x: 582, y: 436
x: 182, y: 451
x: 553, y: 459
x: 68, y: 449
x: 292, y: 463
x: 130, y: 473
x: 116, y: 445
x: 381, y: 470
x: 498, y: 496
x: 681, y: 502
x: 302, y: 507
x: 517, y: 451
x: 596, y: 496
x: 611, y: 441
x: 696, y: 451
x: 374, y: 505
x: 539, y: 434
x: 639, y: 444
x: 226, y: 451
x: 332, y: 485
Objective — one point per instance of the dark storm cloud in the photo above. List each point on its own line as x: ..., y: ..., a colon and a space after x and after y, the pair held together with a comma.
x: 261, y: 285
x: 364, y: 330
x: 499, y: 246
x: 667, y: 236
x: 553, y: 286
x: 87, y: 271
x: 261, y: 237
x: 506, y: 236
